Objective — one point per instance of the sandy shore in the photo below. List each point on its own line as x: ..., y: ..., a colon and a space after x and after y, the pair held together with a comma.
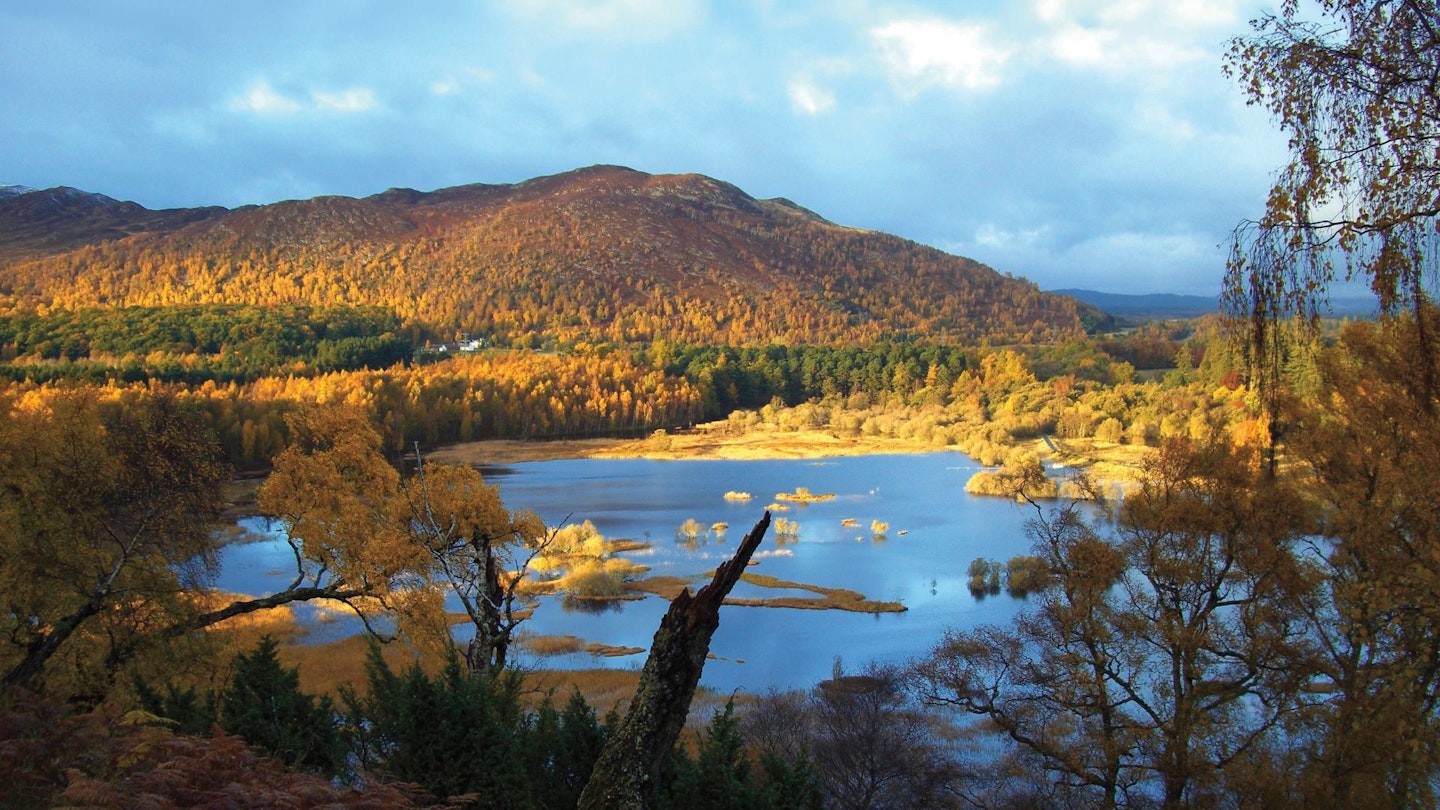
x: 1112, y: 464
x: 1109, y: 463
x: 705, y: 442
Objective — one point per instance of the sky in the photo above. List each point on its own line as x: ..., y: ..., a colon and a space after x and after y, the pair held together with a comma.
x: 1076, y: 143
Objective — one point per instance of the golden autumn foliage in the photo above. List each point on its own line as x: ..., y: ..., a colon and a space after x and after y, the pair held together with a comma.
x: 603, y: 254
x: 494, y: 394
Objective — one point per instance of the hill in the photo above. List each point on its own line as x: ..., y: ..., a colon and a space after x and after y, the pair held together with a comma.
x: 1153, y: 306
x: 604, y: 253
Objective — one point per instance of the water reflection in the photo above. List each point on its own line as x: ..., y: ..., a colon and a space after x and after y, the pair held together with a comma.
x: 571, y: 604
x: 933, y: 531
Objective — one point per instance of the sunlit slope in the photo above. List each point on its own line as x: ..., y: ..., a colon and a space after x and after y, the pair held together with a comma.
x: 604, y: 253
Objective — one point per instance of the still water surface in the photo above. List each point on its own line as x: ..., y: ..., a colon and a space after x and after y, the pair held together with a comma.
x: 757, y: 648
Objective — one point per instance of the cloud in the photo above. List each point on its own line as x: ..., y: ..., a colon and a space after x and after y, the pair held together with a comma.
x: 356, y: 99
x: 1077, y: 45
x: 924, y: 53
x: 990, y: 235
x: 1176, y: 14
x: 1120, y: 50
x: 808, y: 98
x: 263, y: 99
x: 1134, y: 35
x: 1046, y: 124
x: 623, y: 19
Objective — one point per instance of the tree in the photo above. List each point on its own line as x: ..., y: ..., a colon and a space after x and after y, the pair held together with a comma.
x: 862, y: 740
x: 1049, y: 682
x: 628, y: 772
x: 719, y: 775
x: 109, y: 759
x: 455, y: 733
x: 562, y: 749
x: 1357, y: 92
x: 477, y: 548
x: 1371, y: 443
x: 263, y: 704
x: 360, y: 532
x: 874, y: 748
x: 1162, y: 651
x: 104, y: 525
x: 336, y: 498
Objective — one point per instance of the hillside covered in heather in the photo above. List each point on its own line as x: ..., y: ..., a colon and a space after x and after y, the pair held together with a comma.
x: 602, y: 254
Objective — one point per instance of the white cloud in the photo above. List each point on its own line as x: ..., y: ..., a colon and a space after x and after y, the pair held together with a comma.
x: 922, y: 53
x: 1133, y: 35
x: 261, y: 98
x: 625, y: 19
x: 808, y: 98
x: 1155, y: 118
x: 356, y: 99
x: 1212, y: 13
x: 1077, y: 45
x: 990, y: 235
x: 1177, y: 14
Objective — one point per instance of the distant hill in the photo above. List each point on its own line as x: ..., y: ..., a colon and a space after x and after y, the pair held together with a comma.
x: 604, y: 253
x: 38, y: 223
x: 1155, y: 306
x: 1164, y: 306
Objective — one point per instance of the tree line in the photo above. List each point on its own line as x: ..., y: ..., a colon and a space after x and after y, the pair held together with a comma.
x: 585, y: 390
x: 198, y: 343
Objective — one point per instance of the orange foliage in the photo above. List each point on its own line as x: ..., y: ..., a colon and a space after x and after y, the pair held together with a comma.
x: 497, y: 394
x: 601, y: 254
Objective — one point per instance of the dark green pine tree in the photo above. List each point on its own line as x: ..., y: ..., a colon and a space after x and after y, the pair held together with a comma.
x: 789, y: 785
x: 456, y: 734
x: 264, y: 705
x: 563, y: 747
x: 721, y: 777
x: 192, y: 712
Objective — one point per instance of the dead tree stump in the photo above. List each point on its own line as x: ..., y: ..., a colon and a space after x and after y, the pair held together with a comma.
x: 627, y: 774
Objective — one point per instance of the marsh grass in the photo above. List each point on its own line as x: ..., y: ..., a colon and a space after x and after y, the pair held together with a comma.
x: 569, y: 645
x: 803, y: 495
x: 603, y: 689
x: 552, y: 645
x: 828, y: 599
x: 666, y: 587
x: 325, y: 667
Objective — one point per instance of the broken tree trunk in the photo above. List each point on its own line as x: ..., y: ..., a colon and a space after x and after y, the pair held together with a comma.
x: 627, y: 774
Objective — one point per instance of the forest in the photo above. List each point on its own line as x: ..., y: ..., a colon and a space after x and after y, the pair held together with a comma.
x: 1253, y: 622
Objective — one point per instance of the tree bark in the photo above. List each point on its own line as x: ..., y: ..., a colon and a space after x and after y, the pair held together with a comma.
x: 627, y: 774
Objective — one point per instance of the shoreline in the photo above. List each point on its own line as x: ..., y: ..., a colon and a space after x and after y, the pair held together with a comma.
x: 1112, y: 465
x: 712, y: 442
x: 716, y: 441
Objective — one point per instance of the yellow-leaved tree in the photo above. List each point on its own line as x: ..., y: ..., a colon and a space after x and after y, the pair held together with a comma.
x: 105, y: 533
x: 367, y: 536
x: 476, y: 548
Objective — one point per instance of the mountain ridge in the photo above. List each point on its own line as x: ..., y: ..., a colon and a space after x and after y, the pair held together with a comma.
x: 603, y: 253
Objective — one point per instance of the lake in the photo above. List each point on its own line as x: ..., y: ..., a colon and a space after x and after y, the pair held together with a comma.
x: 756, y: 649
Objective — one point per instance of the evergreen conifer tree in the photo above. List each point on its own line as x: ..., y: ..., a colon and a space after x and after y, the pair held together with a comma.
x: 265, y: 706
